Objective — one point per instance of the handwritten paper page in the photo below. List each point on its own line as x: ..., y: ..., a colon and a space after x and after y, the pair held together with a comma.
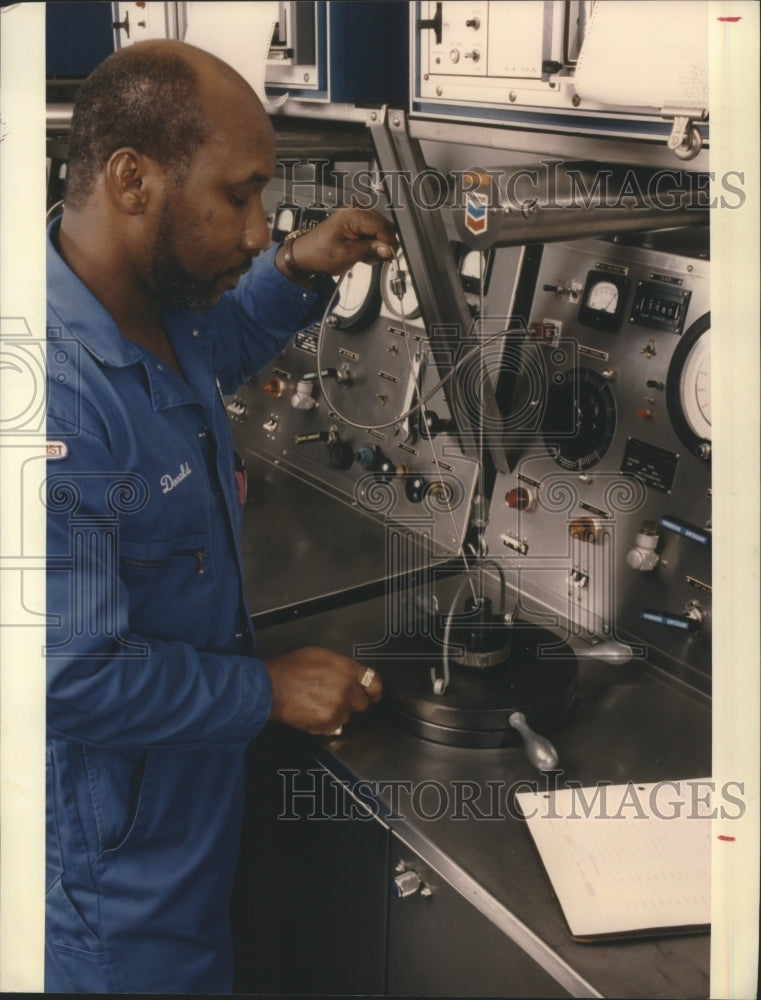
x: 625, y: 858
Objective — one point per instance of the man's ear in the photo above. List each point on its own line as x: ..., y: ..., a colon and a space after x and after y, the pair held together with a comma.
x: 130, y: 179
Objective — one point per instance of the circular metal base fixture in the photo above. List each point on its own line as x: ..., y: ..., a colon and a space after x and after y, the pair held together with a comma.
x: 538, y: 678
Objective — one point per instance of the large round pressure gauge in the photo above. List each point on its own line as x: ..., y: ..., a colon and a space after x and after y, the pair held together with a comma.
x: 359, y: 298
x: 407, y: 307
x: 688, y: 388
x: 580, y: 419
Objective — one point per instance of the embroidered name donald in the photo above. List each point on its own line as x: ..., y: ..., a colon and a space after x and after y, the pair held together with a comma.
x: 168, y: 482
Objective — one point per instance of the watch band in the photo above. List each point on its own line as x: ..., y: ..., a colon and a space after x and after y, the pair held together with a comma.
x: 290, y: 261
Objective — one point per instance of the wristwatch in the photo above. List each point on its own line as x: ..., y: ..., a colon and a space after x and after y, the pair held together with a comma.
x: 298, y: 272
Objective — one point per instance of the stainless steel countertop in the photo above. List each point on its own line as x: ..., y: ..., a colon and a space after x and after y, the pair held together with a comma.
x: 627, y: 726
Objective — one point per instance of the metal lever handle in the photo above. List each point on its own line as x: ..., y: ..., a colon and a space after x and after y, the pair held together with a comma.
x: 690, y: 622
x: 539, y: 750
x: 123, y: 25
x: 434, y: 23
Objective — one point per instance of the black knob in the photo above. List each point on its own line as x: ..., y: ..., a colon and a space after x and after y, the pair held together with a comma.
x: 341, y: 455
x: 432, y: 424
x: 415, y: 488
x: 385, y: 469
x: 368, y: 456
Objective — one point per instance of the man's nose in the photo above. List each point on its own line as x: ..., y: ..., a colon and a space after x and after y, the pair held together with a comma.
x: 256, y: 233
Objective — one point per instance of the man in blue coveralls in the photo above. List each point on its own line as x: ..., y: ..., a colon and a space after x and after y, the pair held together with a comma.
x: 160, y: 299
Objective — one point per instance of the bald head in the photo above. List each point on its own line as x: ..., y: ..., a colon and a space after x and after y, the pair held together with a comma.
x: 159, y: 97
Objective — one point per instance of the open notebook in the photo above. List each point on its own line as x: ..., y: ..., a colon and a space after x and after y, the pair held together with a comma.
x: 626, y: 859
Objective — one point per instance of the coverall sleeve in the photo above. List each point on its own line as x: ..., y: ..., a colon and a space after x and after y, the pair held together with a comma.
x: 108, y: 685
x: 255, y: 321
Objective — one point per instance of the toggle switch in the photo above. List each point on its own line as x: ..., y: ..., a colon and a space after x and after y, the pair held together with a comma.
x: 578, y: 579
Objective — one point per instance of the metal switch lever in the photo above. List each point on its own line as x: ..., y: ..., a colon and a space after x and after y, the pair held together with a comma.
x: 690, y: 622
x: 539, y: 750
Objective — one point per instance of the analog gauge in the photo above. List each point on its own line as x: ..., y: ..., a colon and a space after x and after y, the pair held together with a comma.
x: 580, y: 419
x: 603, y: 301
x: 688, y: 388
x: 469, y: 267
x: 287, y: 217
x: 603, y: 297
x: 408, y: 306
x: 359, y: 298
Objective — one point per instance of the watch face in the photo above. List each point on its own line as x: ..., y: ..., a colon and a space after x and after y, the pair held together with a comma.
x: 407, y: 307
x: 604, y: 300
x: 358, y: 298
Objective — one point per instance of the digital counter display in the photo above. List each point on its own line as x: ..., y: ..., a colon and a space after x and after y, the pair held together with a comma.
x: 659, y: 307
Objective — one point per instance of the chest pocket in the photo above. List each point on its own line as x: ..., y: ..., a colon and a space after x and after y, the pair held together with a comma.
x: 160, y: 578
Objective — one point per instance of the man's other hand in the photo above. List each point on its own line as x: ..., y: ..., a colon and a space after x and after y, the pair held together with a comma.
x: 317, y: 690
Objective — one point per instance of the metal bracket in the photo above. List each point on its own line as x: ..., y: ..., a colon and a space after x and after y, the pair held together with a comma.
x: 686, y: 139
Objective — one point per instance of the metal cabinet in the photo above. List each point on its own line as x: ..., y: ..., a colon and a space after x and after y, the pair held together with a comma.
x: 329, y: 900
x: 440, y: 945
x: 309, y: 909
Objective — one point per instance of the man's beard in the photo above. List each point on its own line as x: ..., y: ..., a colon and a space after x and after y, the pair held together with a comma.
x: 175, y: 288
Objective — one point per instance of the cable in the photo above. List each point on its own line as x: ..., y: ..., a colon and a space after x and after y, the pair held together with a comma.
x: 421, y: 405
x: 440, y: 684
x: 413, y: 409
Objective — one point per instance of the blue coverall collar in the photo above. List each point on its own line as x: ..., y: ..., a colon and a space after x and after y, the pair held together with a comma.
x: 95, y: 329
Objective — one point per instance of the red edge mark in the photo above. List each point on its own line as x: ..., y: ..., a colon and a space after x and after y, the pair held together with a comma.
x: 723, y: 837
x: 732, y: 20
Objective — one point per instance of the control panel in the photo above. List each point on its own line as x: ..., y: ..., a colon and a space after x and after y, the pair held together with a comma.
x: 340, y: 409
x: 599, y: 354
x: 605, y: 515
x: 578, y: 67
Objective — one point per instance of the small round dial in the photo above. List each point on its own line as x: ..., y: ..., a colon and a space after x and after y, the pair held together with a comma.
x: 580, y: 419
x: 359, y: 298
x: 688, y: 387
x: 408, y: 306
